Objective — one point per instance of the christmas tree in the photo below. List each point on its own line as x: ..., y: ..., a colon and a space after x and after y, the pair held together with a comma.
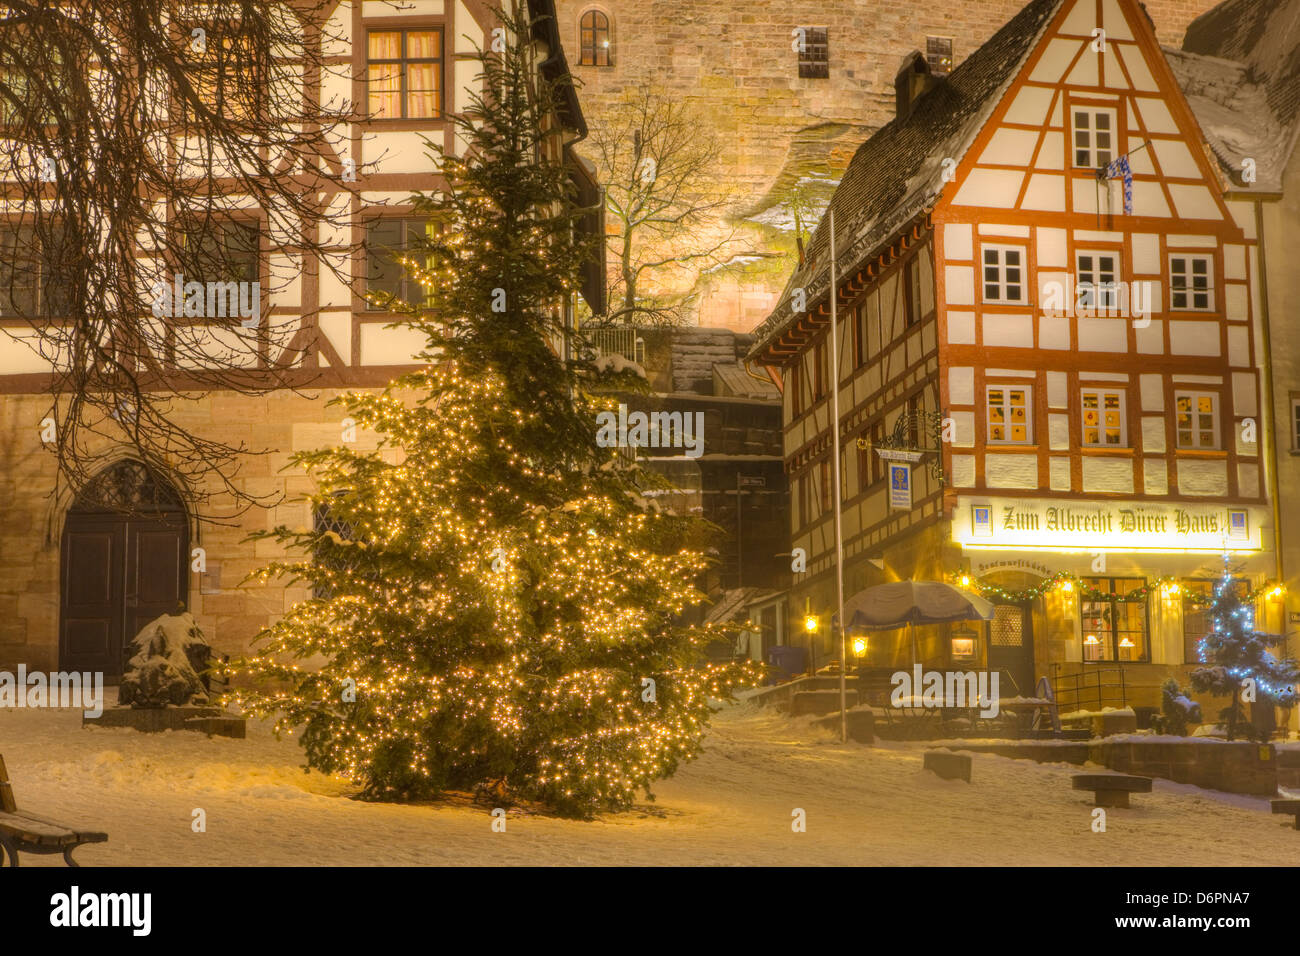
x: 1239, y: 658
x: 495, y: 609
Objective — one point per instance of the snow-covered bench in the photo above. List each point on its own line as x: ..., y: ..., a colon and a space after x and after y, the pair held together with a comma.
x: 1111, y: 789
x: 31, y: 834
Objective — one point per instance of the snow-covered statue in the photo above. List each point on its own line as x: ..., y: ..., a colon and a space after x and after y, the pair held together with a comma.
x: 168, y: 657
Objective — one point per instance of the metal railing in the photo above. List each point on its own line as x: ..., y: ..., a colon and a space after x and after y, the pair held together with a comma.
x: 1091, y: 688
x: 616, y: 340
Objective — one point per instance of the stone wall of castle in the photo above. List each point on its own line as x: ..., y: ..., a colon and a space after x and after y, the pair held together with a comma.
x: 734, y: 64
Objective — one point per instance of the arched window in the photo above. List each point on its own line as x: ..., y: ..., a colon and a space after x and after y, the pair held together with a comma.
x: 595, y: 40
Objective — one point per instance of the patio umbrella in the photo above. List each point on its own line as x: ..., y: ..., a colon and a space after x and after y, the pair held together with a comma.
x: 890, y: 606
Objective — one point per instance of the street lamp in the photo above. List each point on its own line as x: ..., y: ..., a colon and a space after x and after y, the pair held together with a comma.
x: 810, y: 627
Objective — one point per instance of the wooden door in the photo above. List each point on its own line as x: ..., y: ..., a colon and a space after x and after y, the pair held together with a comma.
x: 91, y: 614
x: 155, y: 579
x: 1011, y: 647
x: 124, y: 562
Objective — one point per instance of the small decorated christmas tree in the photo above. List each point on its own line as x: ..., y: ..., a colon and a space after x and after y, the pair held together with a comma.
x: 1239, y: 658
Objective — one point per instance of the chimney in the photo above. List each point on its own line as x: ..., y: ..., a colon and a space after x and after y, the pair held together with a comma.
x: 913, y: 81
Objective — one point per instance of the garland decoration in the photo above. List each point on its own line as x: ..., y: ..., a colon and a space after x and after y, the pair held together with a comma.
x: 1065, y: 582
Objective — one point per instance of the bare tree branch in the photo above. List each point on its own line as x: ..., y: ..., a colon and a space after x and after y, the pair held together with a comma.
x: 661, y: 166
x: 167, y: 168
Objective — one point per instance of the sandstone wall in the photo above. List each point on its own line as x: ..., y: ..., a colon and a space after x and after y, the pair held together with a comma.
x: 733, y: 62
x: 33, y: 517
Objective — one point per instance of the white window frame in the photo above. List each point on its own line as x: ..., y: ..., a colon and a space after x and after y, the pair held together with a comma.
x: 1006, y: 388
x: 1002, y: 280
x: 1196, y: 444
x: 1100, y: 392
x: 1191, y: 291
x: 1102, y: 297
x: 1095, y: 157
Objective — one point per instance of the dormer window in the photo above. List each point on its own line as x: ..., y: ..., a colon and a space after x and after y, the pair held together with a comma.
x: 938, y: 53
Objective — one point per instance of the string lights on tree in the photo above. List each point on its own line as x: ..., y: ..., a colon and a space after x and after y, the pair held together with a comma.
x: 1239, y: 659
x: 500, y: 613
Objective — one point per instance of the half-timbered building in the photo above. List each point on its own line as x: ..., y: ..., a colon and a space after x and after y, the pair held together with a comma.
x: 78, y: 579
x: 1238, y: 69
x: 1049, y: 313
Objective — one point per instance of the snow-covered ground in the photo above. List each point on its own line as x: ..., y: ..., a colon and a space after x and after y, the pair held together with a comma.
x: 873, y: 806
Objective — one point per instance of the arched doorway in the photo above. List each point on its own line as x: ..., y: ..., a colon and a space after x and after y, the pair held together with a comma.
x: 123, y: 562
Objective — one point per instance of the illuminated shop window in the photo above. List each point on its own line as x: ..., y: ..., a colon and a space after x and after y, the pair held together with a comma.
x: 1114, y: 629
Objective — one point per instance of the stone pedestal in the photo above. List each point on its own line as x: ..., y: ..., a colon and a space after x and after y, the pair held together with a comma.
x: 209, y: 720
x: 861, y: 725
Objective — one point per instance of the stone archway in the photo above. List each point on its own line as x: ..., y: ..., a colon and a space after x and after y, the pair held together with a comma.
x: 123, y: 561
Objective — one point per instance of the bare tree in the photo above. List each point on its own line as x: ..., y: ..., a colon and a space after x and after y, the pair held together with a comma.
x: 151, y: 151
x: 660, y: 165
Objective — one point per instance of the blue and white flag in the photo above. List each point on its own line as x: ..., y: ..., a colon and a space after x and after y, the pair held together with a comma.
x: 1120, y: 167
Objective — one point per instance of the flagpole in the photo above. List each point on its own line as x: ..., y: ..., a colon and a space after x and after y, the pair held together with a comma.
x: 835, y: 484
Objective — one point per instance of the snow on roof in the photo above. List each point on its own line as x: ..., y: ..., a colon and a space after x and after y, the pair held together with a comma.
x: 897, y: 174
x: 1240, y: 71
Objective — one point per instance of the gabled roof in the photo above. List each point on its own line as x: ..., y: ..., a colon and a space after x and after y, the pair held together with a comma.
x: 1240, y: 71
x: 897, y: 174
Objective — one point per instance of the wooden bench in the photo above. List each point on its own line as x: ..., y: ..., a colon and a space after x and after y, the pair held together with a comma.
x: 1111, y: 789
x: 1288, y: 805
x: 31, y: 834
